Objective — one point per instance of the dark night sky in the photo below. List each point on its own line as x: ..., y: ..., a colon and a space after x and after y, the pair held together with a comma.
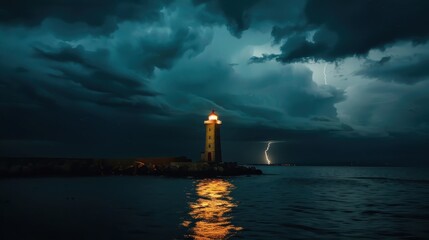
x: 125, y: 78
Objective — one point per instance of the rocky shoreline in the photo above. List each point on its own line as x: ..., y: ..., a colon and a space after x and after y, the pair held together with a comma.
x: 70, y: 167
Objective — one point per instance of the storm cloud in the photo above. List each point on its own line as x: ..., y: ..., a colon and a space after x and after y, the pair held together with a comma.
x: 407, y: 70
x: 333, y: 30
x: 93, y: 12
x: 138, y: 77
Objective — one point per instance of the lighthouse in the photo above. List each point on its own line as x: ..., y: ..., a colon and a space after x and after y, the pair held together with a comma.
x: 212, y: 152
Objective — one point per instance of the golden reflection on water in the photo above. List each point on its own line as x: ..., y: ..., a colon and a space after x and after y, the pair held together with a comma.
x: 210, y: 211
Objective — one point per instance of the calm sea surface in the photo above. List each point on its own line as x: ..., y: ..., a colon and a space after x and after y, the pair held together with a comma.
x: 286, y: 203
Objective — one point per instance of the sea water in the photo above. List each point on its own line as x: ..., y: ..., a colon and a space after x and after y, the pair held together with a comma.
x: 284, y: 203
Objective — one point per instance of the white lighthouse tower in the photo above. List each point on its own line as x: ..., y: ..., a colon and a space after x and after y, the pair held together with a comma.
x: 212, y: 152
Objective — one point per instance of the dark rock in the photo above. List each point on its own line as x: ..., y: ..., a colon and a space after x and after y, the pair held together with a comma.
x: 178, y: 167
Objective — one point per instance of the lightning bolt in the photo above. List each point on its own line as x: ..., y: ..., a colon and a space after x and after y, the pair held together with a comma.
x: 266, y: 153
x: 324, y: 73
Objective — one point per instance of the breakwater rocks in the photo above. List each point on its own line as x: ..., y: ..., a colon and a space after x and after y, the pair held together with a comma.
x: 174, y: 166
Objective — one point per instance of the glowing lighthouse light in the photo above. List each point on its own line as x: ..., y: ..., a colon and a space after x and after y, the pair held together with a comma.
x: 213, y: 116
